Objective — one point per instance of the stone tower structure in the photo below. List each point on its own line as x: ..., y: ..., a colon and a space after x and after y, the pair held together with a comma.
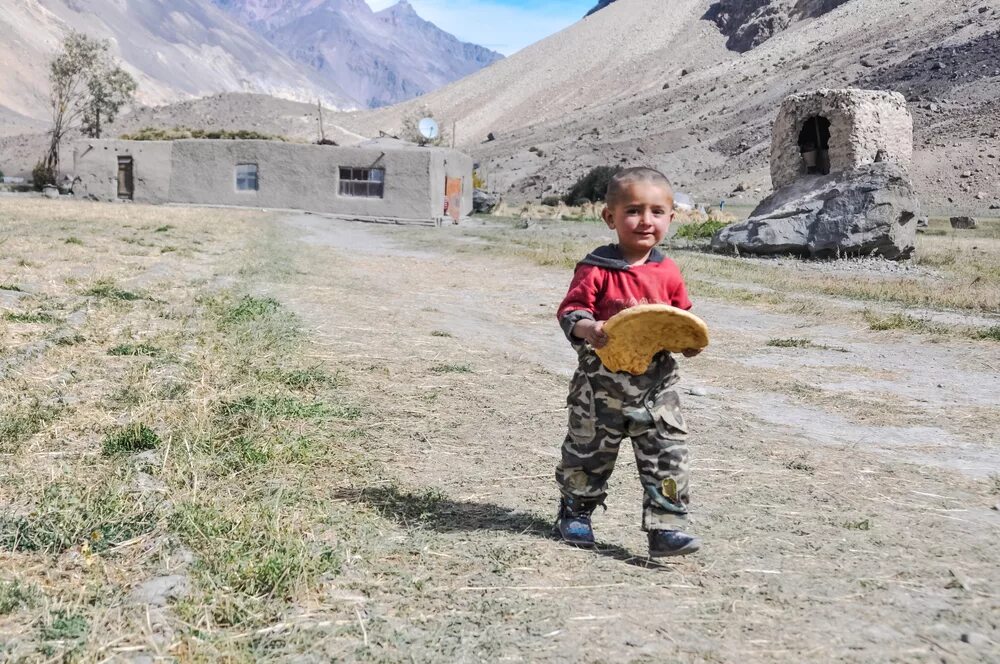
x: 832, y: 131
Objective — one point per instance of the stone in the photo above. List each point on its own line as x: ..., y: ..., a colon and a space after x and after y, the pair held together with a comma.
x: 484, y: 202
x: 698, y: 392
x: 964, y: 223
x: 976, y: 640
x: 871, y: 210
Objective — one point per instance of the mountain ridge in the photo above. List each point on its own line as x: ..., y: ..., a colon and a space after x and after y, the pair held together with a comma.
x: 380, y: 58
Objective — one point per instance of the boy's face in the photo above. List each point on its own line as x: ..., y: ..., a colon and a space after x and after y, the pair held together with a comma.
x: 640, y: 216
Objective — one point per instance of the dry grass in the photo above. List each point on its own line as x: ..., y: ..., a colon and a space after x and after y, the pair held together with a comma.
x: 194, y: 434
x: 157, y: 421
x: 953, y: 270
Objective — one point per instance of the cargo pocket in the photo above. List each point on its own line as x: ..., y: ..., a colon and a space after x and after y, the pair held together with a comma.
x: 666, y: 412
x: 581, y: 406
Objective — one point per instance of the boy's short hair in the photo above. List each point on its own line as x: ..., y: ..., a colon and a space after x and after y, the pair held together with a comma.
x: 620, y: 180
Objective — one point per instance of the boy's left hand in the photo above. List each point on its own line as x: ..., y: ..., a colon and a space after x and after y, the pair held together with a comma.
x: 691, y: 352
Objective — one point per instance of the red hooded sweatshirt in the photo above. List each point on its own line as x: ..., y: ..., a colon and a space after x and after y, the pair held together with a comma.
x: 604, y: 284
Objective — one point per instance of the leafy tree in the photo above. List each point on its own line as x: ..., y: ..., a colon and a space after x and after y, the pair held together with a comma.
x: 108, y: 93
x: 88, y: 87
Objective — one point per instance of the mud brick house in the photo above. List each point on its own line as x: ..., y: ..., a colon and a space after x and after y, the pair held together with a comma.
x: 384, y: 179
x: 832, y: 131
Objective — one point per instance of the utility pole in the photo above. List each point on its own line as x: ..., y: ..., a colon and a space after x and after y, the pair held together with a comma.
x: 319, y: 110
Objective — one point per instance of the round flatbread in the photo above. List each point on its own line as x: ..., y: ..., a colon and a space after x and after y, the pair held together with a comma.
x: 636, y: 334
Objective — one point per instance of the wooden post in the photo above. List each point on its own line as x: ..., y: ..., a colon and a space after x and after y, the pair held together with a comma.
x: 319, y: 109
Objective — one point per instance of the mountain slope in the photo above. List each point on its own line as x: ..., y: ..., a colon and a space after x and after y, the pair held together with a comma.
x: 379, y: 57
x: 646, y: 81
x: 176, y: 49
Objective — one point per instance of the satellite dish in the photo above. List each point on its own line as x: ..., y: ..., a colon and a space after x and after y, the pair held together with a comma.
x: 429, y: 129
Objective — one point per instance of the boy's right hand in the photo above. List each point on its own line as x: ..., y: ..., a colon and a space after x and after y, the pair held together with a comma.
x: 591, y: 331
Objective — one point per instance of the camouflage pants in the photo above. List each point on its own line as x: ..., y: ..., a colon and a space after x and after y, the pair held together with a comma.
x: 604, y: 408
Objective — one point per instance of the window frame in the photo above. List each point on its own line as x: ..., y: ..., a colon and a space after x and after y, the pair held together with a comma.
x: 244, y: 177
x: 361, y: 182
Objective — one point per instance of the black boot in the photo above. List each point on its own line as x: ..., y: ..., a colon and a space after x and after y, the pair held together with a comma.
x: 663, y: 543
x: 573, y: 522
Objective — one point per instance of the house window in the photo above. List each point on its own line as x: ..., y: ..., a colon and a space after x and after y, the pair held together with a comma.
x: 246, y: 177
x: 365, y: 182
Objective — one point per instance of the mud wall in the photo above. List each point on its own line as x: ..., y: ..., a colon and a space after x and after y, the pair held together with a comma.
x: 95, y: 164
x: 289, y: 175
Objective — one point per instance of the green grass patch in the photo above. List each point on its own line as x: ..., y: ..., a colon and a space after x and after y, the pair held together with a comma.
x: 901, y: 321
x: 20, y: 421
x: 132, y: 350
x: 65, y: 626
x: 73, y: 240
x: 303, y: 379
x: 803, y: 343
x: 163, y: 229
x: 253, y: 554
x: 250, y: 308
x: 700, y: 230
x: 71, y: 515
x: 451, y: 368
x: 273, y: 408
x: 11, y: 287
x: 107, y: 289
x: 789, y: 343
x: 15, y: 595
x: 29, y: 317
x: 864, y: 524
x: 133, y: 438
x: 442, y: 333
x: 990, y: 333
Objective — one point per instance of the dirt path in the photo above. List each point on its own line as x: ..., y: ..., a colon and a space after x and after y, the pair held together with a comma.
x: 843, y: 489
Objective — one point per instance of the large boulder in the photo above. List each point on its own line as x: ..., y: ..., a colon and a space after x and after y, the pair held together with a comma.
x: 871, y: 210
x: 484, y: 202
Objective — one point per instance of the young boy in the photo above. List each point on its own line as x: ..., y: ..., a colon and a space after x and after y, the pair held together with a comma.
x: 607, y: 406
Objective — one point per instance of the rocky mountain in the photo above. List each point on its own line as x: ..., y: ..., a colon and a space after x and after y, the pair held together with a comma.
x: 176, y: 50
x: 749, y: 23
x: 599, y: 6
x: 655, y: 82
x: 379, y: 58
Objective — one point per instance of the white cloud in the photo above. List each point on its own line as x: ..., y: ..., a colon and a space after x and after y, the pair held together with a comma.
x: 502, y: 27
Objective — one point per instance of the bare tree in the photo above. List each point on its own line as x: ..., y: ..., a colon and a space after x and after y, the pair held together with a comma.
x: 88, y: 87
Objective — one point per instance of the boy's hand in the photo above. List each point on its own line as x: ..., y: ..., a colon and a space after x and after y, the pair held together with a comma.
x: 591, y: 331
x: 691, y: 352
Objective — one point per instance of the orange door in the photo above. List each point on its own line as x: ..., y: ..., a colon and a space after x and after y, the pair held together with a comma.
x: 453, y: 194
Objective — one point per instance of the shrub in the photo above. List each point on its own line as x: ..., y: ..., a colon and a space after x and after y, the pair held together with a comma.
x: 42, y: 175
x: 550, y: 201
x: 478, y: 181
x: 178, y: 133
x: 700, y: 231
x: 591, y: 187
x: 133, y: 438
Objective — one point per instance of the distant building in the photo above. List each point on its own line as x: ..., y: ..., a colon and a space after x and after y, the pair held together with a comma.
x: 384, y: 179
x: 832, y: 131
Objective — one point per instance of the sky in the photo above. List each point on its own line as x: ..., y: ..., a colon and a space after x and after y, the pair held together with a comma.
x: 502, y: 25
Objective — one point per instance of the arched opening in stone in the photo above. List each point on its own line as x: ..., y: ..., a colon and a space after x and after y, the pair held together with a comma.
x: 814, y: 145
